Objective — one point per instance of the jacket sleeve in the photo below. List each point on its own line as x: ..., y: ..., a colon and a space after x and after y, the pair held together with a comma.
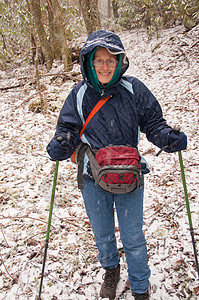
x: 150, y: 116
x: 69, y: 122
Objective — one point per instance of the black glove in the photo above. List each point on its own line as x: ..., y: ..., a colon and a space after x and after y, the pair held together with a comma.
x: 177, y: 141
x: 58, y: 149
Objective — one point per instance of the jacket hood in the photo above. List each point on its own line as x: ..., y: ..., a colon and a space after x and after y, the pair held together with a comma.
x: 106, y: 39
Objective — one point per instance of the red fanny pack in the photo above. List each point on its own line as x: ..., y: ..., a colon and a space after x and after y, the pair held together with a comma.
x: 116, y: 169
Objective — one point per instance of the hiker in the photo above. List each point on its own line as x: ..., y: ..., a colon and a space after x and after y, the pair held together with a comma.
x: 128, y: 109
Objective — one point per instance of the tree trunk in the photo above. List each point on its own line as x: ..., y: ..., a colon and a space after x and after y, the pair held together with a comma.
x: 90, y: 14
x: 115, y: 9
x: 57, y: 33
x: 109, y: 13
x: 45, y: 45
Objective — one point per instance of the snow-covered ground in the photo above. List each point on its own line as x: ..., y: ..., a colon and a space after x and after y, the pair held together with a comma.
x: 169, y: 67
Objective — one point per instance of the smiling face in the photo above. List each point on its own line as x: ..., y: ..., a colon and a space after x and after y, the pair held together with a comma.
x: 104, y: 72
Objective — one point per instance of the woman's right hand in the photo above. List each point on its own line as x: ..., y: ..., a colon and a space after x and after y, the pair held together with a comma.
x: 58, y: 149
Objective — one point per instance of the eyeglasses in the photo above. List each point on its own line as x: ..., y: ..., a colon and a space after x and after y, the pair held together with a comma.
x: 109, y: 62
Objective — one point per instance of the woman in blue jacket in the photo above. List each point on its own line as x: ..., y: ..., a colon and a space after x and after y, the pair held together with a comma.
x: 130, y: 109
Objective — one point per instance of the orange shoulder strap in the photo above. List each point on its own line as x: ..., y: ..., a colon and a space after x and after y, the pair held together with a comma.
x: 95, y: 109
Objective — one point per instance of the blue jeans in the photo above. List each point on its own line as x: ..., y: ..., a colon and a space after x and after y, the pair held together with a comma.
x: 129, y: 207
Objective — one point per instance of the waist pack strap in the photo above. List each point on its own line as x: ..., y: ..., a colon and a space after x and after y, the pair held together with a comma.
x: 80, y: 153
x: 95, y: 167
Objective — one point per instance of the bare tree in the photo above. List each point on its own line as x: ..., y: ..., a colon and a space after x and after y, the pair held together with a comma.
x: 45, y: 45
x: 56, y: 46
x: 115, y: 9
x: 90, y: 12
x: 109, y: 13
x: 57, y: 33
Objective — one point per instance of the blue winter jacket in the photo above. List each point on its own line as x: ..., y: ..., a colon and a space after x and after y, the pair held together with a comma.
x: 132, y: 107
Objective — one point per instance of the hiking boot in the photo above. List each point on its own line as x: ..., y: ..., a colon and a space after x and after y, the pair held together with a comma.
x: 144, y: 296
x: 111, y: 278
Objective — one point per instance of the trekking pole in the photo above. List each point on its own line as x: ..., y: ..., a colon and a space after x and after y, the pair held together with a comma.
x: 188, y: 210
x: 49, y: 224
x: 176, y: 131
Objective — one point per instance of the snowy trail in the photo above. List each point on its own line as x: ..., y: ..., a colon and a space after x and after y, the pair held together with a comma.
x: 169, y: 67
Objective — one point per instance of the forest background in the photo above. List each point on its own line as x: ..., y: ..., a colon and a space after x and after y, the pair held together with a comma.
x: 39, y: 51
x: 45, y: 29
x: 41, y: 31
